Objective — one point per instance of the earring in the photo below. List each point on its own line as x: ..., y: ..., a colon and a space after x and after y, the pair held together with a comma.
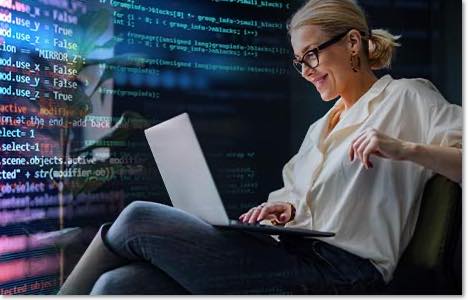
x: 355, y: 62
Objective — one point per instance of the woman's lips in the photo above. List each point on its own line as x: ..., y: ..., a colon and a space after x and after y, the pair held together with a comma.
x: 319, y: 82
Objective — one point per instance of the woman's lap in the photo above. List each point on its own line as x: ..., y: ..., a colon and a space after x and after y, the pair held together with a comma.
x: 207, y: 260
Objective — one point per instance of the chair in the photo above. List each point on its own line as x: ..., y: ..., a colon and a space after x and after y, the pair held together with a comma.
x: 431, y: 264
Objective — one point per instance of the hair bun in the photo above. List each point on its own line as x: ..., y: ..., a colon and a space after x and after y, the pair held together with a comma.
x: 382, y: 46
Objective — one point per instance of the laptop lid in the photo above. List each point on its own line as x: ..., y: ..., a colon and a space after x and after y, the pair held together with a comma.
x: 184, y: 170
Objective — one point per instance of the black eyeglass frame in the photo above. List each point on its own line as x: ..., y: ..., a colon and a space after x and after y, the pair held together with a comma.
x: 316, y: 50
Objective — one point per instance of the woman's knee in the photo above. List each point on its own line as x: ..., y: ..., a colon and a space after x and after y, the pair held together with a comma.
x: 142, y: 219
x: 139, y: 212
x: 108, y: 283
x: 134, y: 210
x: 139, y: 217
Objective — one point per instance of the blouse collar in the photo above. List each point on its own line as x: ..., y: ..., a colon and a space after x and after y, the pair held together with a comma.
x: 358, y: 113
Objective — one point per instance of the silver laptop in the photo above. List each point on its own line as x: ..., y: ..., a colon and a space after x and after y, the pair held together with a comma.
x: 189, y: 182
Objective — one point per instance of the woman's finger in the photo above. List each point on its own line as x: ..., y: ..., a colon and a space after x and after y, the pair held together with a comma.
x: 254, y: 215
x: 371, y: 148
x: 355, y: 145
x: 270, y: 211
x: 246, y: 216
x: 360, y: 150
x: 284, y: 217
x: 351, y: 147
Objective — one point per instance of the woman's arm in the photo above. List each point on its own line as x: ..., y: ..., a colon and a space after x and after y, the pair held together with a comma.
x: 443, y: 160
x: 446, y: 161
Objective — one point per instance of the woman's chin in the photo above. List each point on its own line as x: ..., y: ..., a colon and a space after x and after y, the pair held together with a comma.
x: 328, y: 97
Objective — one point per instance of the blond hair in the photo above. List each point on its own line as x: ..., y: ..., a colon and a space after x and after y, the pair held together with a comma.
x: 337, y: 16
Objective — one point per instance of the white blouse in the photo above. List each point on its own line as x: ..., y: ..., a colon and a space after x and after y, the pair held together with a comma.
x: 373, y: 212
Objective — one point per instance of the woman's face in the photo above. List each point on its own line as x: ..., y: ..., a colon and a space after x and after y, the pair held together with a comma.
x: 332, y: 76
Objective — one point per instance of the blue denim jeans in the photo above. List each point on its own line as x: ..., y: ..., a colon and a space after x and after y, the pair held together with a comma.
x: 172, y: 252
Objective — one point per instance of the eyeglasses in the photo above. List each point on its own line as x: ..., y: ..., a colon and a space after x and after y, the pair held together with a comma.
x: 311, y: 58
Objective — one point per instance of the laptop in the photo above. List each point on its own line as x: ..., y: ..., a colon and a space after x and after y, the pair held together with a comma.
x: 189, y: 182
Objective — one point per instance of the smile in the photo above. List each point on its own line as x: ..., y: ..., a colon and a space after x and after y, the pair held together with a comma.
x: 320, y: 80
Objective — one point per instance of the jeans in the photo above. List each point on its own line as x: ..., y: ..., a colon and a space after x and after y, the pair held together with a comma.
x: 173, y: 252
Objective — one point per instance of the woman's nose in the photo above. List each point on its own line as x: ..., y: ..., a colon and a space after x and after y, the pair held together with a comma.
x: 307, y: 71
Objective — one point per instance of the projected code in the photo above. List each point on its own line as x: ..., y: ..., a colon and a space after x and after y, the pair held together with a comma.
x: 70, y: 70
x: 40, y: 57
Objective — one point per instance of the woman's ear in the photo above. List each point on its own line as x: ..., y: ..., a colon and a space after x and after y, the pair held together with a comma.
x: 354, y: 41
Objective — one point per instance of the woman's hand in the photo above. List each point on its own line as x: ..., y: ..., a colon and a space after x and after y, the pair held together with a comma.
x: 374, y: 142
x: 277, y: 212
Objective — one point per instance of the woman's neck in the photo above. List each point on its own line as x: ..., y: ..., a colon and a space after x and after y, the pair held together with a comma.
x: 357, y: 87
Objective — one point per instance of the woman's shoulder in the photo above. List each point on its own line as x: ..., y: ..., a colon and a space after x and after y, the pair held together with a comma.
x: 415, y: 85
x: 415, y: 90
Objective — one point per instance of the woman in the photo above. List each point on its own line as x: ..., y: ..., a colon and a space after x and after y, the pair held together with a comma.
x: 360, y: 173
